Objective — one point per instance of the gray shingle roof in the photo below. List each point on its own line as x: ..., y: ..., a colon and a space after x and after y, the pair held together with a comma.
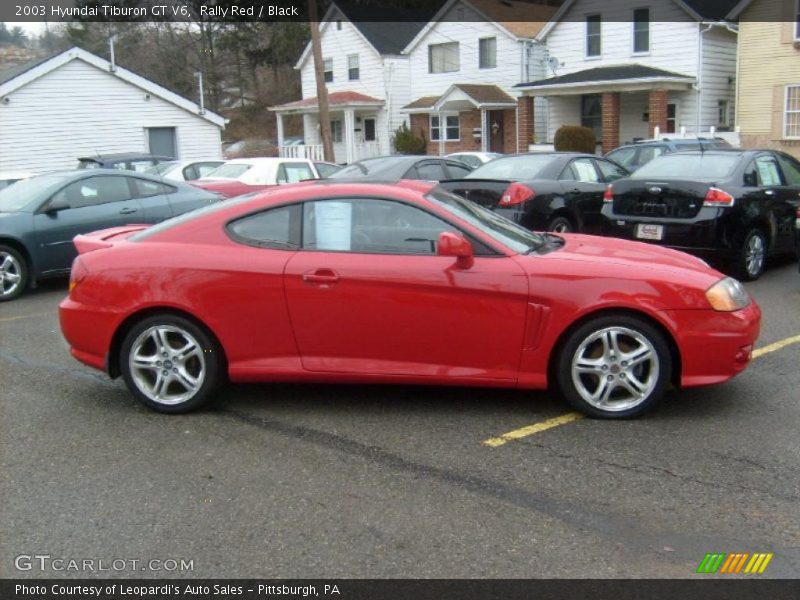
x: 613, y: 73
x: 388, y: 29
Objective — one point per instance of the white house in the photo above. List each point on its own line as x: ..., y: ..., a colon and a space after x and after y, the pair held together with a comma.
x: 624, y: 68
x: 451, y: 74
x: 74, y: 104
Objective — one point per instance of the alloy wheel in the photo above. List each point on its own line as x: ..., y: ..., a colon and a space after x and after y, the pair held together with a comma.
x: 754, y: 255
x: 10, y: 274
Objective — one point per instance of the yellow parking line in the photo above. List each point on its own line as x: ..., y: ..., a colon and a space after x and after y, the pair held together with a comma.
x: 4, y: 319
x: 531, y: 429
x: 795, y: 339
x: 573, y: 416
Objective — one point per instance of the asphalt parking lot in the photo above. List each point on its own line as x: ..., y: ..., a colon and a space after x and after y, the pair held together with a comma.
x: 343, y: 481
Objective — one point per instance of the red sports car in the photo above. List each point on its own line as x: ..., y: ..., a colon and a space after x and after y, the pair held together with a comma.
x: 404, y: 283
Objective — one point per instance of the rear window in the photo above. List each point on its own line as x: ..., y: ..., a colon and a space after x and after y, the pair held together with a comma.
x: 513, y: 167
x: 188, y: 216
x: 229, y: 171
x: 689, y: 166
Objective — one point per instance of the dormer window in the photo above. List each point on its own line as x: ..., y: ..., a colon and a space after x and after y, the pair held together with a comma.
x: 593, y: 32
x: 641, y: 30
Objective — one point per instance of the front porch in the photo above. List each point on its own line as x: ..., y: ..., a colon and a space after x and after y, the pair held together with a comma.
x: 358, y: 125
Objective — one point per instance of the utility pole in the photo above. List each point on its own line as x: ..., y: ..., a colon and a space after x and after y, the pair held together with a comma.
x: 322, y: 91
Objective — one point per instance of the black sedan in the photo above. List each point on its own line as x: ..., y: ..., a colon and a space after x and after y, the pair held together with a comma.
x: 547, y: 191
x: 395, y: 168
x: 39, y: 217
x: 735, y: 207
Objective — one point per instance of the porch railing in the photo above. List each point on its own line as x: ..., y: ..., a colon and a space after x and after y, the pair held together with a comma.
x: 309, y: 151
x: 732, y: 137
x: 366, y: 150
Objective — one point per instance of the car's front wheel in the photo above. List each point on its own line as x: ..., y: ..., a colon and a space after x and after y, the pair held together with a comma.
x: 13, y: 273
x: 614, y: 366
x: 170, y: 364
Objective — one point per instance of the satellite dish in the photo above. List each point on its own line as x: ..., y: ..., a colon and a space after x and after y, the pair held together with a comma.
x: 553, y: 63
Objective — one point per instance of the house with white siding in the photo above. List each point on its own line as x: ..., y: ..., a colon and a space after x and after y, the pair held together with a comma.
x: 76, y: 104
x: 449, y: 73
x: 626, y: 68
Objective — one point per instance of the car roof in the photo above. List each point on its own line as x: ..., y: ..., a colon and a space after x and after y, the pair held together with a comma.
x: 124, y: 156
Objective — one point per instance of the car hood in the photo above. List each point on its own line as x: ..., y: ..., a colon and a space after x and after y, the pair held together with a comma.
x: 614, y: 257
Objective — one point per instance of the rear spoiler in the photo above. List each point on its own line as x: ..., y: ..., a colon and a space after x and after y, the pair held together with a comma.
x: 97, y: 240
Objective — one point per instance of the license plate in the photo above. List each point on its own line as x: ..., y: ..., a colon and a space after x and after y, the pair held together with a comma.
x: 646, y: 231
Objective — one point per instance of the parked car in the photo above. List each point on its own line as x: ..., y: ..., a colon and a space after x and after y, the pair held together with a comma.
x: 185, y: 170
x: 474, y: 159
x: 245, y: 175
x: 40, y: 216
x: 633, y: 156
x: 129, y: 161
x: 9, y: 177
x: 400, y: 283
x: 733, y: 206
x: 395, y: 168
x: 326, y: 169
x: 546, y: 191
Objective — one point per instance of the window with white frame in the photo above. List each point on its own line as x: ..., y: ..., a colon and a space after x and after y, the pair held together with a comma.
x: 593, y: 28
x: 791, y: 117
x: 327, y: 67
x: 641, y: 30
x: 352, y: 67
x: 336, y: 131
x: 487, y: 53
x: 451, y: 128
x: 797, y: 20
x: 443, y: 58
x: 724, y: 115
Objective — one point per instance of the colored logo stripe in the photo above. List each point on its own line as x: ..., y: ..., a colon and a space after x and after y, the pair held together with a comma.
x: 720, y: 562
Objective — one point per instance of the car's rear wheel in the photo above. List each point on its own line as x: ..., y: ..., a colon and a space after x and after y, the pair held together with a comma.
x: 560, y: 224
x: 614, y: 366
x: 752, y: 256
x: 170, y: 364
x: 13, y: 273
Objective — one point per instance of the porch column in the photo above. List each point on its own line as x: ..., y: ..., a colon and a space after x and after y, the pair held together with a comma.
x: 349, y: 135
x: 484, y: 131
x: 610, y: 110
x: 657, y: 106
x: 279, y: 116
x: 524, y: 123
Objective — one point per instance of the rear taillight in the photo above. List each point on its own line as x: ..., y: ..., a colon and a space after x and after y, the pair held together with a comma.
x: 608, y: 195
x: 716, y: 197
x: 77, y: 274
x: 515, y: 194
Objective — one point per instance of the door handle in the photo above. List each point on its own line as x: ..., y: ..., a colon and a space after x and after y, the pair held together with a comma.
x: 128, y: 211
x: 321, y: 276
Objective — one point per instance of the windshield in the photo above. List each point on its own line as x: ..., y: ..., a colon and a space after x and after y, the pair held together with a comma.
x: 526, y: 166
x: 23, y: 193
x: 704, y: 167
x: 229, y: 171
x: 499, y: 228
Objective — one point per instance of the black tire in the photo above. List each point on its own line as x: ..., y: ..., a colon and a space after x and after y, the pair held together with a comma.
x: 747, y: 266
x: 656, y: 372
x: 12, y: 264
x: 202, y: 364
x: 561, y: 224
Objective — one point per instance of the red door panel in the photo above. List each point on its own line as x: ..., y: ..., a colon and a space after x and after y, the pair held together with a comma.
x: 407, y: 315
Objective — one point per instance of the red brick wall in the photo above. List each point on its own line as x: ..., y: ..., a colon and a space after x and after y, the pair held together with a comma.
x: 658, y: 111
x: 526, y: 122
x: 610, y: 108
x: 470, y: 120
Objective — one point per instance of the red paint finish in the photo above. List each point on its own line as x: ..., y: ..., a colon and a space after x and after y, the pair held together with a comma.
x: 309, y: 315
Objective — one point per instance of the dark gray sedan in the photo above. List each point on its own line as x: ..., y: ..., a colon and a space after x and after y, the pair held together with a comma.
x: 394, y: 168
x: 40, y: 216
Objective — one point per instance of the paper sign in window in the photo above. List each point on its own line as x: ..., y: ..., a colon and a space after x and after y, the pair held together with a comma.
x: 333, y: 225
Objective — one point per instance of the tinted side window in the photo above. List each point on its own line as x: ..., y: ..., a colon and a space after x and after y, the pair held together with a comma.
x: 648, y: 153
x: 294, y: 172
x: 276, y: 228
x: 623, y: 156
x: 790, y: 168
x: 94, y: 191
x: 610, y: 171
x: 145, y: 189
x: 430, y: 171
x: 370, y: 227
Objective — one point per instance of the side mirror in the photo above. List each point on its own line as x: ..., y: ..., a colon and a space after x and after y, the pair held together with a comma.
x: 56, y: 204
x: 455, y: 245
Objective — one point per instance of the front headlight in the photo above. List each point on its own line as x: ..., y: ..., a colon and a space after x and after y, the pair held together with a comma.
x: 727, y: 295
